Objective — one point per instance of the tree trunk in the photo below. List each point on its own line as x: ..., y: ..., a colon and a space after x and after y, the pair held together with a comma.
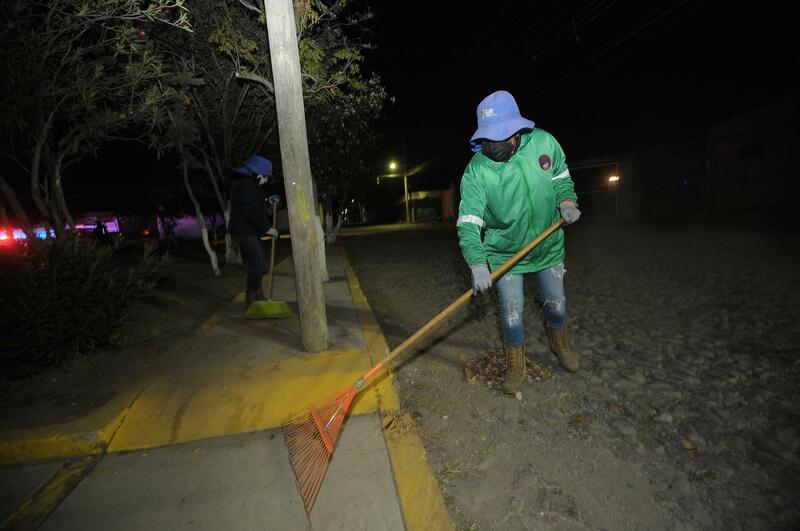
x: 329, y: 229
x: 42, y: 189
x: 233, y: 254
x: 285, y: 59
x: 37, y: 191
x: 333, y: 233
x: 16, y: 207
x: 58, y: 193
x: 323, y: 260
x: 58, y: 224
x: 201, y: 220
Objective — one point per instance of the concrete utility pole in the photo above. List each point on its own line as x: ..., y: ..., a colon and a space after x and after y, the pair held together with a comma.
x: 297, y: 171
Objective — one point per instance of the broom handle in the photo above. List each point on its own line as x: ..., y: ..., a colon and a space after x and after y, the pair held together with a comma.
x: 272, y: 254
x: 444, y: 314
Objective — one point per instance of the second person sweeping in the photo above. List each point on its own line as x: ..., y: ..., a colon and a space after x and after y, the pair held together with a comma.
x: 514, y: 187
x: 248, y: 221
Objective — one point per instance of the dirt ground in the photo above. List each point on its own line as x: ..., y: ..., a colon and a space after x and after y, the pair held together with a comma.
x: 685, y: 414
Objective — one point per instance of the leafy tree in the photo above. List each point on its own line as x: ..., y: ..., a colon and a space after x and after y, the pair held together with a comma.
x: 75, y: 74
x: 341, y: 103
x: 224, y: 76
x: 222, y: 121
x: 340, y: 140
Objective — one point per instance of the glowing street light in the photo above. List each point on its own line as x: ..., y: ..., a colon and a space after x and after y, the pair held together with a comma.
x: 393, y: 166
x: 613, y: 181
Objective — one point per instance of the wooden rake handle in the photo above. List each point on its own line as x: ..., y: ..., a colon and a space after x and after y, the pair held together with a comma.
x: 455, y: 305
x: 272, y: 251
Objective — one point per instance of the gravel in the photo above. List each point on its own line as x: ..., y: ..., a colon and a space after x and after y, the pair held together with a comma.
x: 684, y: 415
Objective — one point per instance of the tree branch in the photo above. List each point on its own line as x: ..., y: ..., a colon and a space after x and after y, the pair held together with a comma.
x: 249, y: 76
x: 250, y: 6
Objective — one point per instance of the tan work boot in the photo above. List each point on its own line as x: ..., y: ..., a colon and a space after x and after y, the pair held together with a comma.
x: 559, y: 347
x: 515, y: 375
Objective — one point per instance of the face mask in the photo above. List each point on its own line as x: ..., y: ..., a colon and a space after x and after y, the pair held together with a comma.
x: 500, y: 151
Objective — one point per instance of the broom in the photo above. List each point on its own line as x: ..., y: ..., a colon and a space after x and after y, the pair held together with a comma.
x: 269, y: 308
x: 311, y: 433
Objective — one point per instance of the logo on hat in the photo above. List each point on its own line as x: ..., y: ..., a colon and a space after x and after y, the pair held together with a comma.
x: 487, y: 113
x: 545, y: 162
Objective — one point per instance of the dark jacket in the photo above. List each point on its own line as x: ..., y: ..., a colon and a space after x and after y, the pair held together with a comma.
x: 248, y: 206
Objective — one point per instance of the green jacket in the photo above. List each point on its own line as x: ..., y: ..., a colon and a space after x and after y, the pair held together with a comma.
x: 515, y: 201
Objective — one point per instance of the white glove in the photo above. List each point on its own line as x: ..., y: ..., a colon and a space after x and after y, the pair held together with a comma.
x: 273, y: 232
x: 481, y: 278
x: 569, y: 211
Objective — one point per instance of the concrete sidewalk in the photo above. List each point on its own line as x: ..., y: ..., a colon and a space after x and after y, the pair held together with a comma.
x: 199, y: 445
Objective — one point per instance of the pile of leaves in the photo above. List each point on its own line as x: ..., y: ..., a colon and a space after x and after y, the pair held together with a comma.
x: 64, y: 297
x: 491, y: 366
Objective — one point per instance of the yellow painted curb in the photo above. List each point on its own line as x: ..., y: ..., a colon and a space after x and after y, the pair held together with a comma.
x: 87, y: 436
x: 420, y: 497
x: 81, y: 437
x: 70, y: 439
x: 234, y: 400
x: 49, y: 448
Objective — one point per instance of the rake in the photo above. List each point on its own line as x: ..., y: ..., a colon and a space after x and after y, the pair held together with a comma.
x: 311, y: 433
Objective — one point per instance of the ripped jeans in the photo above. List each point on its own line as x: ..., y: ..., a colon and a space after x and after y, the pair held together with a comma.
x: 550, y: 283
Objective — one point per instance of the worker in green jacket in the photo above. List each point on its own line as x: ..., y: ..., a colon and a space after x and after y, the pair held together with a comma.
x: 515, y: 186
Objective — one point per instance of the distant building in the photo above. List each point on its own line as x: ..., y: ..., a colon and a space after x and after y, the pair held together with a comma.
x: 750, y: 161
x: 753, y: 159
x: 431, y: 205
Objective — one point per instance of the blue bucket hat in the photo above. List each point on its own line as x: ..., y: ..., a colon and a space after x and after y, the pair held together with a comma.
x: 498, y: 119
x: 256, y: 165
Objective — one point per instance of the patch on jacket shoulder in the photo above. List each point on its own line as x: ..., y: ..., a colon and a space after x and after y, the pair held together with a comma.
x: 545, y: 161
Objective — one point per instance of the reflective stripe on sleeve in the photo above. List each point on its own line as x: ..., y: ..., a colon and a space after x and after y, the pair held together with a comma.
x: 561, y: 175
x: 470, y: 219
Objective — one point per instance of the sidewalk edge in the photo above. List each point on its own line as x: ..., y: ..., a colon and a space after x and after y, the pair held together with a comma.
x: 86, y: 436
x: 62, y: 441
x: 420, y: 497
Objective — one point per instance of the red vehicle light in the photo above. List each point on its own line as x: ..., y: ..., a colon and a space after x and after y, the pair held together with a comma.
x: 6, y: 238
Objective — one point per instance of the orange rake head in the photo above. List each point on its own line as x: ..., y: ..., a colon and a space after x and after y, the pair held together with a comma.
x: 310, y: 437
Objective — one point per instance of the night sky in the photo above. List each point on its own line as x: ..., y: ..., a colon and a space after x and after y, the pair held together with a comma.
x: 600, y: 75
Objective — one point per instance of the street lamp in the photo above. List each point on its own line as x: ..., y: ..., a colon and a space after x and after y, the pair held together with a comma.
x: 613, y: 182
x: 393, y: 167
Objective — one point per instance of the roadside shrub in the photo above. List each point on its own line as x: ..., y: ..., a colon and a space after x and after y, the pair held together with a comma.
x: 66, y: 297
